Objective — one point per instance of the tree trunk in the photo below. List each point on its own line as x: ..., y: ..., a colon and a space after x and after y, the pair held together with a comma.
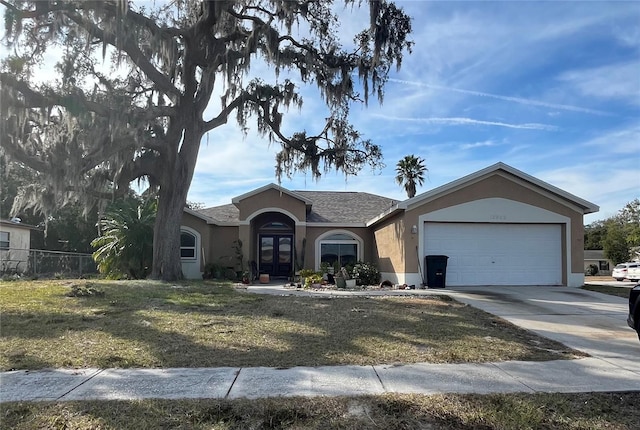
x: 166, y: 233
x: 174, y: 188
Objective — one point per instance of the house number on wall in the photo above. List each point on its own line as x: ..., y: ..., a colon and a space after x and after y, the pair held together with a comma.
x: 498, y: 217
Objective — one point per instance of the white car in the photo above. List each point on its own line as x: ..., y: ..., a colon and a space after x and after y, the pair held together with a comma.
x: 621, y: 271
x: 633, y: 273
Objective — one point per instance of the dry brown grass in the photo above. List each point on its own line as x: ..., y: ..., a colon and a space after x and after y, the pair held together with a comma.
x: 586, y: 411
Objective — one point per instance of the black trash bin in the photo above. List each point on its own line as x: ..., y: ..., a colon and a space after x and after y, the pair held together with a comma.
x: 436, y: 268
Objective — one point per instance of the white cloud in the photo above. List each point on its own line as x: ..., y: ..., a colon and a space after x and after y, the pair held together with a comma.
x: 612, y: 81
x: 624, y: 141
x: 519, y: 100
x: 484, y: 144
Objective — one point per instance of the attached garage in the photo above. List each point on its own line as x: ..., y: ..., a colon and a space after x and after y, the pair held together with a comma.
x: 498, y: 226
x: 497, y: 254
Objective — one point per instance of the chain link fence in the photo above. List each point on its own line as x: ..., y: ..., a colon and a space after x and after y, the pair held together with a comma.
x: 39, y: 262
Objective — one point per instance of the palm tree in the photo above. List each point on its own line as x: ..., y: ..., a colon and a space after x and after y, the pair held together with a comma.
x: 125, y: 245
x: 410, y: 171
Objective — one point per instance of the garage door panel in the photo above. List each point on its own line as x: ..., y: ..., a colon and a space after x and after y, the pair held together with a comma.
x: 497, y: 254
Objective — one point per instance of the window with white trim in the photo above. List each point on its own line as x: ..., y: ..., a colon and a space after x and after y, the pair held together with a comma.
x: 4, y: 240
x: 340, y: 248
x: 187, y: 246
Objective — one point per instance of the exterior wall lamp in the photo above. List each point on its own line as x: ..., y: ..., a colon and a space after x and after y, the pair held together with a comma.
x: 414, y: 229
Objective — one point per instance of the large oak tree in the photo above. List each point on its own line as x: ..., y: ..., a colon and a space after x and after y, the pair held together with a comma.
x: 91, y: 131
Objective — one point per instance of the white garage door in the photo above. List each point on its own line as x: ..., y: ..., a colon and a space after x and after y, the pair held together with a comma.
x: 497, y: 254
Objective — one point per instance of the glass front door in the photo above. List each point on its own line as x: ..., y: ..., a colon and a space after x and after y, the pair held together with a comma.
x: 276, y: 254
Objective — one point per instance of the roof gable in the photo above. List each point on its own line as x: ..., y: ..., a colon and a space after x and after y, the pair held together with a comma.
x: 278, y: 188
x: 507, y: 171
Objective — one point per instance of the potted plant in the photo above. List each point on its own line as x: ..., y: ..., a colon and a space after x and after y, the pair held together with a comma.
x: 345, y: 277
x: 246, y: 277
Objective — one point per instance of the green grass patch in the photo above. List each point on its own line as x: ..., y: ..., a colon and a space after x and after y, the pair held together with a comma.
x: 585, y: 411
x: 75, y: 324
x: 606, y: 289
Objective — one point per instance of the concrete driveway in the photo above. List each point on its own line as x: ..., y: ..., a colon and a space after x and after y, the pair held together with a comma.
x: 588, y: 321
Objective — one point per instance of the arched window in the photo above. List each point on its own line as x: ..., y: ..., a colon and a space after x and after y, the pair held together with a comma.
x: 188, y: 248
x: 339, y: 249
x: 275, y: 226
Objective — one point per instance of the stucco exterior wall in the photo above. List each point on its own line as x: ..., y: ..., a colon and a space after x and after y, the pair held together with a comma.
x: 271, y: 198
x: 217, y: 241
x: 221, y: 250
x: 389, y: 245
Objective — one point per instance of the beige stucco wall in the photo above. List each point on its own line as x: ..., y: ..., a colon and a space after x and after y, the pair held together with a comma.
x: 222, y: 249
x: 19, y: 244
x: 271, y: 198
x: 389, y: 244
x: 217, y: 241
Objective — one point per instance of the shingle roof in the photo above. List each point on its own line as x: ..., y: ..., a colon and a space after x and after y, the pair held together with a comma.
x: 594, y: 254
x: 224, y: 213
x: 345, y: 206
x: 341, y: 207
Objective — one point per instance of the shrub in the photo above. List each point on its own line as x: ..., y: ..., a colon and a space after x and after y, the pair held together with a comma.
x: 212, y: 271
x: 305, y: 273
x: 592, y: 270
x: 230, y: 274
x: 366, y: 273
x: 316, y: 278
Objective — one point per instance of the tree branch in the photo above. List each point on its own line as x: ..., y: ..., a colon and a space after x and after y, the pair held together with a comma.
x: 16, y: 152
x: 225, y: 112
x: 33, y: 99
x: 133, y: 52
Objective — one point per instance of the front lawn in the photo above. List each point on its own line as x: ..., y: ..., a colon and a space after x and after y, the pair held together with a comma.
x: 605, y: 289
x: 102, y: 324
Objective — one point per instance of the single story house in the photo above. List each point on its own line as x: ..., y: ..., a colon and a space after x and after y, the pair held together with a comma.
x: 597, y: 258
x: 498, y: 226
x: 15, y: 243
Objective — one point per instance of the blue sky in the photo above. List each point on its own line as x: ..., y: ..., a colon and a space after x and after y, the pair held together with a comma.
x: 550, y: 88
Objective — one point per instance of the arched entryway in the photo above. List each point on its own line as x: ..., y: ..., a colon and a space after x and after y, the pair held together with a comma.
x: 275, y: 238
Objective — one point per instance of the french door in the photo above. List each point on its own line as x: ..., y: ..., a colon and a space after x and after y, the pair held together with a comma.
x: 276, y: 254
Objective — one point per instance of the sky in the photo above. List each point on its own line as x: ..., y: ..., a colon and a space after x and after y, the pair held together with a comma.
x: 550, y: 88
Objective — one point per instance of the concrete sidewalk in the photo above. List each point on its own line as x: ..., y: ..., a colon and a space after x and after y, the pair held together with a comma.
x: 583, y: 375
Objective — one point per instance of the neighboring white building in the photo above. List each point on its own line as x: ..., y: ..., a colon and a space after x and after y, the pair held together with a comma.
x: 15, y: 239
x: 597, y: 258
